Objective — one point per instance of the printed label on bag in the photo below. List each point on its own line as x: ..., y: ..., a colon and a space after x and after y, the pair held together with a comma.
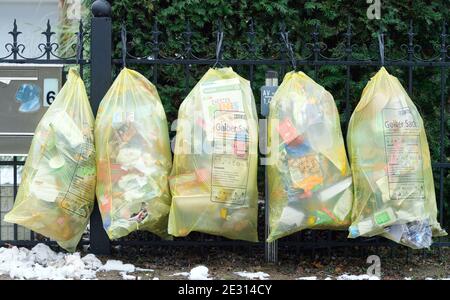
x: 230, y: 159
x: 220, y: 95
x: 403, y: 154
x: 76, y: 199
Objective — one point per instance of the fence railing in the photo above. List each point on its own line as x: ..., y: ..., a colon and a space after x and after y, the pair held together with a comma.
x: 102, y: 63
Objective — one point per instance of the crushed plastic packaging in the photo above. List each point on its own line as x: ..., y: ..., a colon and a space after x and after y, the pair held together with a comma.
x: 56, y: 195
x: 416, y: 234
x: 391, y: 165
x: 213, y: 179
x: 133, y: 158
x: 310, y: 183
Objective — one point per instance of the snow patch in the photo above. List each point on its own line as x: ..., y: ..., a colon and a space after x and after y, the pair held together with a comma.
x: 199, y: 273
x: 126, y: 276
x: 250, y: 275
x: 92, y: 262
x: 307, y: 278
x: 117, y: 265
x: 357, y: 277
x: 185, y: 274
x: 41, y: 262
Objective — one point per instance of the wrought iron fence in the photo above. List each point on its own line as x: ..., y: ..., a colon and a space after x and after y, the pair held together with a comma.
x: 102, y: 64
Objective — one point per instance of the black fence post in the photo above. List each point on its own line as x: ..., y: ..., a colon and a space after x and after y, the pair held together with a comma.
x: 101, y: 67
x: 267, y: 92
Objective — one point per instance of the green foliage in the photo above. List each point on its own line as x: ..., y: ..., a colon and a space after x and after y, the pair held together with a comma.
x: 300, y: 18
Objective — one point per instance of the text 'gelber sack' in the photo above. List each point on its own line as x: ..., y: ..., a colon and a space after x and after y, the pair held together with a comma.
x: 133, y: 158
x: 310, y: 183
x: 393, y: 179
x: 213, y: 180
x: 56, y: 195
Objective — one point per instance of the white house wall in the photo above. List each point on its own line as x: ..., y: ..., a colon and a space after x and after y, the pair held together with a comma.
x: 31, y: 18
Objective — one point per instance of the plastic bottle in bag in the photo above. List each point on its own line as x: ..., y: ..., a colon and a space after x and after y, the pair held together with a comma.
x: 133, y: 158
x: 56, y: 195
x: 310, y: 184
x: 213, y: 179
x: 393, y: 179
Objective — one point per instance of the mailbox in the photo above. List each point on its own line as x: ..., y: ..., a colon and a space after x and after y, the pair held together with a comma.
x: 26, y: 92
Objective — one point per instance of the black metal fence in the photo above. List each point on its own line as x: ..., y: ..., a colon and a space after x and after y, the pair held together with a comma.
x: 102, y: 64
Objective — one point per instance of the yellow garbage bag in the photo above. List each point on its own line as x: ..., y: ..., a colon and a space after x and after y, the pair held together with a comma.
x: 393, y: 180
x: 56, y: 195
x: 133, y: 158
x: 310, y: 182
x: 213, y: 179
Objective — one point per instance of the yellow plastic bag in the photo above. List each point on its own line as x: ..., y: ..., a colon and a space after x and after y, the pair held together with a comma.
x: 393, y: 180
x: 56, y: 195
x: 310, y: 183
x: 213, y: 180
x: 133, y: 158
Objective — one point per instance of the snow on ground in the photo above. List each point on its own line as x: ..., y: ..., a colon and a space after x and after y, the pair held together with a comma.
x: 357, y: 277
x: 126, y: 276
x: 117, y: 265
x: 41, y: 262
x: 185, y: 274
x: 197, y: 273
x: 92, y: 262
x: 308, y: 278
x: 249, y: 275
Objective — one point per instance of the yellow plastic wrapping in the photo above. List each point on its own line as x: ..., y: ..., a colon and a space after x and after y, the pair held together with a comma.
x: 393, y: 180
x: 310, y: 183
x: 133, y: 158
x: 213, y: 180
x: 56, y: 195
